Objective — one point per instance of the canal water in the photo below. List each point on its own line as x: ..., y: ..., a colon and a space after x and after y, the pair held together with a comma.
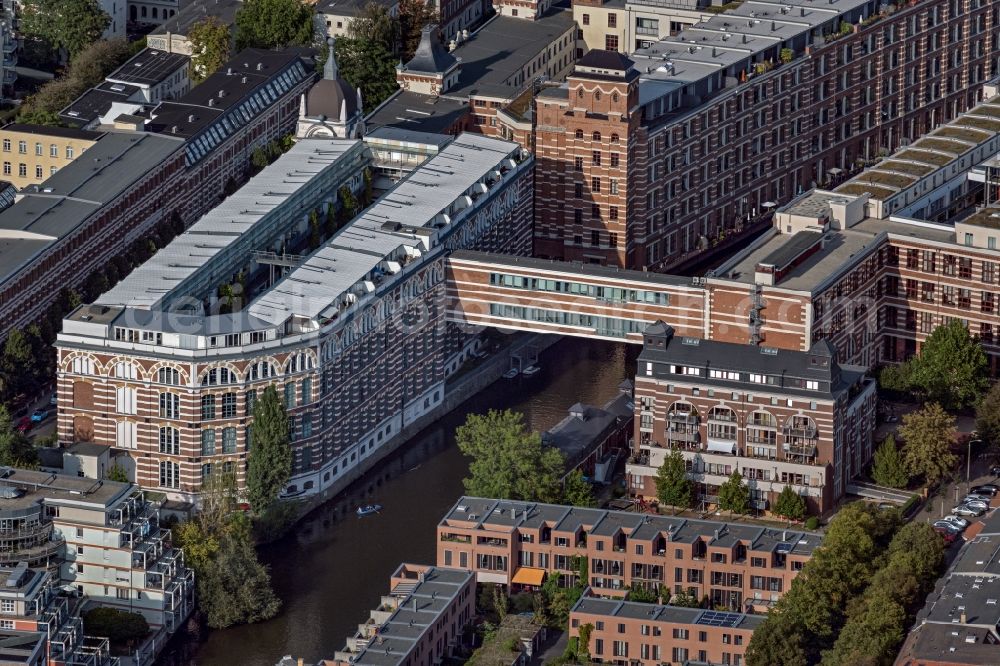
x: 333, y: 569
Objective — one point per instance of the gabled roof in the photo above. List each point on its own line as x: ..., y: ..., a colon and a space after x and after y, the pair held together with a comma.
x: 601, y: 59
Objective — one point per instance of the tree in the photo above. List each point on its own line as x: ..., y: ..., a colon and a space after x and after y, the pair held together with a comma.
x: 368, y: 65
x: 210, y: 45
x: 18, y: 363
x: 888, y: 468
x: 413, y: 16
x: 643, y: 594
x: 951, y: 368
x: 673, y: 487
x: 790, y: 504
x: 273, y: 24
x: 686, y: 600
x: 16, y: 450
x: 118, y: 473
x: 734, y: 495
x: 928, y: 435
x: 508, y: 461
x: 988, y: 416
x: 235, y: 588
x: 69, y: 25
x: 269, y: 464
x: 375, y: 24
x: 577, y: 491
x: 119, y: 626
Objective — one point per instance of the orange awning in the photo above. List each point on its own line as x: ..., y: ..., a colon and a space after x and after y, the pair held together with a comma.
x: 528, y: 576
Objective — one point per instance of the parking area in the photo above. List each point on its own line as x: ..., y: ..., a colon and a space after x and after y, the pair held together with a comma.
x: 36, y: 418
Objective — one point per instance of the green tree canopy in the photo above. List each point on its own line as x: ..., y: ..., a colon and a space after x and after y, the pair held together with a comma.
x: 988, y: 417
x: 69, y: 25
x: 888, y: 468
x: 734, y: 494
x: 269, y: 463
x: 508, y: 461
x: 790, y: 504
x: 210, y: 44
x: 16, y: 450
x: 376, y: 25
x: 235, y: 588
x: 118, y: 473
x: 413, y: 16
x: 271, y: 24
x: 577, y: 491
x: 951, y: 367
x: 673, y: 487
x: 368, y: 65
x: 928, y: 435
x: 118, y: 626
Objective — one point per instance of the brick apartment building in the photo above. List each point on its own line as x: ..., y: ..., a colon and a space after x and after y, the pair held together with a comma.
x: 643, y: 161
x: 739, y: 567
x: 625, y: 632
x: 179, y: 162
x: 780, y: 417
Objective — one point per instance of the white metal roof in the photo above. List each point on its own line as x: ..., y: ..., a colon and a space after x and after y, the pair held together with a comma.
x: 218, y: 229
x: 400, y: 219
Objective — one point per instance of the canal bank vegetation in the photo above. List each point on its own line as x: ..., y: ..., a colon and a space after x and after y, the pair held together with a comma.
x: 234, y: 587
x: 853, y: 600
x: 269, y: 463
x: 508, y: 461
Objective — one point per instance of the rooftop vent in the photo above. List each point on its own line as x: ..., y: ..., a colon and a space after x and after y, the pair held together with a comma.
x: 770, y: 351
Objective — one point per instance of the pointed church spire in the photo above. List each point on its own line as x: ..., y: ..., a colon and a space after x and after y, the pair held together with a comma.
x: 330, y: 68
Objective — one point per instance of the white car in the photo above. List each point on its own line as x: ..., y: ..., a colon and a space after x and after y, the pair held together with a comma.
x: 978, y: 504
x: 960, y: 523
x: 966, y: 510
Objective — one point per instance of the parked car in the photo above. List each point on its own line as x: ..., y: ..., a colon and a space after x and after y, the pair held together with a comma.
x: 892, y: 418
x: 978, y: 504
x: 976, y: 498
x: 947, y: 525
x: 960, y: 523
x: 885, y: 506
x: 966, y: 510
x: 24, y: 424
x: 986, y: 488
x: 948, y: 535
x: 39, y: 415
x: 54, y: 399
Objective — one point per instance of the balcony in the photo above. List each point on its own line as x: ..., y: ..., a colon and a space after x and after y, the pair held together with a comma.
x: 800, y: 449
x: 804, y: 432
x: 686, y: 418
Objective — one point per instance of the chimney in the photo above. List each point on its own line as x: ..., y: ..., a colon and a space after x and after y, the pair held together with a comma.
x: 191, y: 118
x: 260, y: 66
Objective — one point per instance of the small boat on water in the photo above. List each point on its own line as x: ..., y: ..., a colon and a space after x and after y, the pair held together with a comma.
x: 531, y: 371
x: 368, y: 509
x: 510, y: 374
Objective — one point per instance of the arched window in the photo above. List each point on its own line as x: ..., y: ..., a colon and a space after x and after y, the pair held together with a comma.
x: 169, y: 474
x: 597, y: 95
x: 614, y: 97
x: 579, y: 134
x: 262, y: 370
x: 170, y: 441
x: 579, y: 93
x: 126, y: 370
x: 208, y: 442
x: 614, y: 138
x: 596, y: 136
x: 156, y: 12
x: 170, y: 406
x: 168, y: 376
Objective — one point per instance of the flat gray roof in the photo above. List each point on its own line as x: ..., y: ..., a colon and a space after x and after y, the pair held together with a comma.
x: 58, y: 487
x: 149, y: 67
x: 194, y: 11
x: 415, y: 112
x: 52, y: 210
x: 663, y: 613
x: 573, y: 268
x: 418, y: 610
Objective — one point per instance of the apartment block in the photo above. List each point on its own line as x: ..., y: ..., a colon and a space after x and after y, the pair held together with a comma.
x: 737, y: 566
x: 630, y: 25
x: 727, y: 119
x: 651, y: 634
x: 33, y: 153
x: 420, y: 621
x: 352, y: 333
x: 779, y: 417
x: 102, y: 538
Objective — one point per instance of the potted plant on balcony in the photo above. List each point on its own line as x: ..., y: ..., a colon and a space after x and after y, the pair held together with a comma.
x: 787, y: 55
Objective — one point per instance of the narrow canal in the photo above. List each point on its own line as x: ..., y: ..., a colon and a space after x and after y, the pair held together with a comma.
x: 334, y: 568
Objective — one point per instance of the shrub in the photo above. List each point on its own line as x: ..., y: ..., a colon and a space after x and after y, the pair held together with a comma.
x: 812, y: 523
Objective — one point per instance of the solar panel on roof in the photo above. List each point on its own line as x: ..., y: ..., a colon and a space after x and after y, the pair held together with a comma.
x: 719, y: 619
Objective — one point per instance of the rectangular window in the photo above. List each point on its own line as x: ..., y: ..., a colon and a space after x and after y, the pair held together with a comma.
x: 207, y: 407
x: 208, y: 442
